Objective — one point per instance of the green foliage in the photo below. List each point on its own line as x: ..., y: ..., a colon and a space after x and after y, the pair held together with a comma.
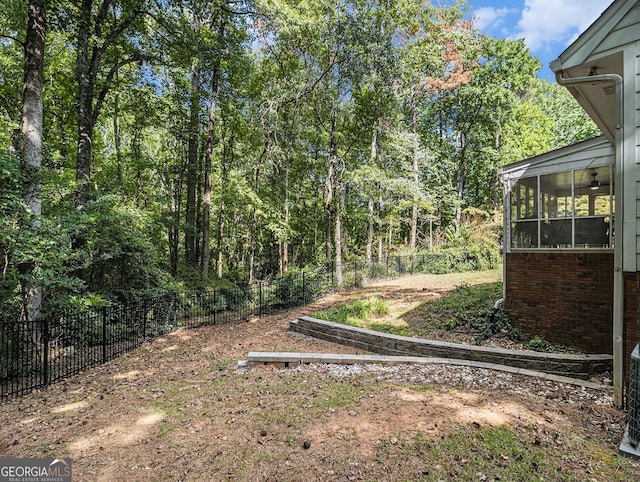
x: 356, y: 312
x: 539, y: 344
x: 374, y: 87
x: 123, y: 261
x: 471, y: 307
x: 392, y: 330
x: 296, y: 288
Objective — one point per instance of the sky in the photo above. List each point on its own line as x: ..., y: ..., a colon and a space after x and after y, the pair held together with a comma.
x: 547, y: 26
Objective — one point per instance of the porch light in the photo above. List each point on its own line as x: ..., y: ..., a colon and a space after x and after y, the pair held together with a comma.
x: 595, y: 184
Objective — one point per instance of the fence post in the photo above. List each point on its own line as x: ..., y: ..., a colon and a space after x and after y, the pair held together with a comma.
x: 260, y: 299
x: 175, y: 312
x: 45, y: 361
x: 355, y: 272
x: 104, y: 334
x: 215, y: 303
x: 144, y: 320
x: 304, y: 289
x: 333, y: 281
x: 412, y: 259
x: 387, y: 275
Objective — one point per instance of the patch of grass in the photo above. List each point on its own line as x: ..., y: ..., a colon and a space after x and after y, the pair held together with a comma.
x: 165, y: 428
x: 335, y: 395
x: 492, y: 453
x: 422, y: 388
x: 391, y: 329
x: 42, y: 446
x: 356, y: 312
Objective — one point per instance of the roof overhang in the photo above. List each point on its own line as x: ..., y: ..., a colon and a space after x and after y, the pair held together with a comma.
x: 598, y: 99
x: 589, y: 154
x: 583, y: 58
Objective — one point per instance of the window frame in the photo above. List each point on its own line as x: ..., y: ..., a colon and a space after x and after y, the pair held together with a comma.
x: 545, y: 220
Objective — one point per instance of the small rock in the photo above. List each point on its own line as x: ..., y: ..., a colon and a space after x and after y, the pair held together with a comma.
x: 306, y: 444
x: 263, y: 432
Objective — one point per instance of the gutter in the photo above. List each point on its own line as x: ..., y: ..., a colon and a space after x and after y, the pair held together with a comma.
x: 618, y: 258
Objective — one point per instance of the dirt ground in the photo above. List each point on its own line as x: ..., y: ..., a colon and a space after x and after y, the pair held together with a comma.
x: 177, y: 409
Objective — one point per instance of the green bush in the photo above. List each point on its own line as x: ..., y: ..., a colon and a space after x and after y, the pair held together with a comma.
x: 295, y: 289
x: 356, y: 312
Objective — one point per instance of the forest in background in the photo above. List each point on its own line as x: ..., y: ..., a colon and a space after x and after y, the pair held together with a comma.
x: 154, y: 145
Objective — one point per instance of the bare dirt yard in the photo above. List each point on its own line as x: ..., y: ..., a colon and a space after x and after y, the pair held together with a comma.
x: 178, y: 409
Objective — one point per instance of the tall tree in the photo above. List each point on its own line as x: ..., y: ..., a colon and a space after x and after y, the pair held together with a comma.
x: 32, y: 122
x: 101, y: 50
x: 437, y: 45
x: 190, y: 248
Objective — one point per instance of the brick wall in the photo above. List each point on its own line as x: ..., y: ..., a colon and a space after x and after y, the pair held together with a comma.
x: 565, y: 297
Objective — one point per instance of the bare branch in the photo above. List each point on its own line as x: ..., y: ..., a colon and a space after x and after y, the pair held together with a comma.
x: 11, y: 37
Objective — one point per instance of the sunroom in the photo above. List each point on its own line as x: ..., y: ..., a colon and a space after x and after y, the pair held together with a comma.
x: 556, y: 203
x: 558, y: 241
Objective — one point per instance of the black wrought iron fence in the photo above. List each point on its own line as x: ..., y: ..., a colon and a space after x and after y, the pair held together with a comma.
x: 33, y: 355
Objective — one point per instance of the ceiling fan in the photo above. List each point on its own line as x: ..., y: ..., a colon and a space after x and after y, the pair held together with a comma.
x: 594, y: 185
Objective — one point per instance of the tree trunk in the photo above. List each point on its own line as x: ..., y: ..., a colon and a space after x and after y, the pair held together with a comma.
x: 416, y: 172
x: 461, y: 180
x: 330, y: 184
x: 332, y: 201
x: 192, y: 168
x: 32, y: 121
x: 338, y: 242
x: 370, y: 203
x: 254, y: 219
x: 206, y: 199
x: 221, y: 212
x: 93, y: 41
x: 221, y: 218
x: 285, y: 243
x: 117, y: 139
x: 85, y: 79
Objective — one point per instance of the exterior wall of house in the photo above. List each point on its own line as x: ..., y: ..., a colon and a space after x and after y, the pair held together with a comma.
x: 620, y: 34
x: 566, y: 297
x: 634, y: 106
x: 631, y: 317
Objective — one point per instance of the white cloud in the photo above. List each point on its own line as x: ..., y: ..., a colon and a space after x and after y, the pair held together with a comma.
x: 489, y: 18
x: 544, y: 22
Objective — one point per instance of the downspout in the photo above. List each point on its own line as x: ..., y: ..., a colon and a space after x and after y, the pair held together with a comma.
x: 618, y: 258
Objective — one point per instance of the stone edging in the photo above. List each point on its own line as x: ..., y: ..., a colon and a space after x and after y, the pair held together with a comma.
x: 288, y: 360
x: 563, y: 365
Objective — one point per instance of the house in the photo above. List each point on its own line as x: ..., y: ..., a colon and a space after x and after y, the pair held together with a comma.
x: 571, y: 217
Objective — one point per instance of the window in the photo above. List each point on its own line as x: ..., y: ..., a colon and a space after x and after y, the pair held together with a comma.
x: 571, y: 209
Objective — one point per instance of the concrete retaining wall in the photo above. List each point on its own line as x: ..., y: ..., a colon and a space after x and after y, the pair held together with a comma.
x: 574, y: 366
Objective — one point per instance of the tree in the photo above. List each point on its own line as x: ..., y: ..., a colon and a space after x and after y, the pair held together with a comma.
x: 472, y: 117
x: 32, y: 122
x: 439, y: 55
x: 102, y: 48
